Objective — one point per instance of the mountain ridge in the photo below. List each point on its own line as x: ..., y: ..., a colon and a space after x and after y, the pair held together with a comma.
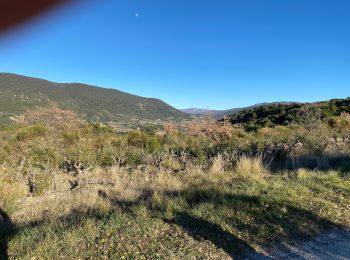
x: 21, y: 93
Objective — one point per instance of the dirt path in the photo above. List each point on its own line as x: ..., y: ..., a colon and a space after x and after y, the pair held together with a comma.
x: 333, y: 245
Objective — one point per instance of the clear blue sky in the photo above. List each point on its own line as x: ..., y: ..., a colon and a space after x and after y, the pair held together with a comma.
x: 193, y: 53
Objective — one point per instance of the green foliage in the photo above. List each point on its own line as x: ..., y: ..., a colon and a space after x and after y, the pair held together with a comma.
x: 71, y: 137
x: 137, y: 138
x: 97, y: 145
x: 98, y: 128
x: 106, y: 156
x: 154, y: 144
x: 43, y: 157
x: 31, y: 132
x: 285, y: 114
x: 134, y: 156
x: 265, y: 116
x: 41, y: 183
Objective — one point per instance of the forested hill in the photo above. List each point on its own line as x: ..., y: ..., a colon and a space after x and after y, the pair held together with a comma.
x: 19, y: 94
x: 285, y: 114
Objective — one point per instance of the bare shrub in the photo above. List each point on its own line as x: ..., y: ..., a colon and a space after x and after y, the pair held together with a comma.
x: 310, y: 117
x: 170, y: 127
x: 315, y: 140
x: 52, y: 117
x: 210, y: 128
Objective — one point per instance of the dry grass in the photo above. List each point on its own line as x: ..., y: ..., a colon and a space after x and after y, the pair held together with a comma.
x: 218, y: 165
x: 126, y: 208
x: 58, y: 200
x: 57, y: 205
x: 12, y: 188
x: 131, y: 186
x: 251, y: 167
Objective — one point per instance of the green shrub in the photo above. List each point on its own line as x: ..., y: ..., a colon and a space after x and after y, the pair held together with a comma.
x: 137, y: 138
x: 71, y: 137
x: 42, y: 156
x: 134, y: 156
x: 98, y: 128
x: 42, y: 183
x: 31, y: 132
x: 118, y: 142
x: 81, y: 153
x: 154, y: 144
x: 106, y: 156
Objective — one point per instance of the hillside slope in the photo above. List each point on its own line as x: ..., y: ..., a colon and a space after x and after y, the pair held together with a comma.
x: 284, y: 114
x: 20, y: 93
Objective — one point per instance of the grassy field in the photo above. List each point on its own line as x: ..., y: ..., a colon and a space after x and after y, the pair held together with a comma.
x: 78, y: 190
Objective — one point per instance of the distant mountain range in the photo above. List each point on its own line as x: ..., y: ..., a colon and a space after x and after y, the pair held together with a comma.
x: 219, y: 114
x: 19, y: 94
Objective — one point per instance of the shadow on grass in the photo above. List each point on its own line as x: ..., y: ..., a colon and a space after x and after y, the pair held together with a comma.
x: 323, y: 162
x: 271, y: 222
x: 6, y: 229
x: 68, y: 222
x: 276, y: 219
x: 198, y: 228
x: 201, y: 229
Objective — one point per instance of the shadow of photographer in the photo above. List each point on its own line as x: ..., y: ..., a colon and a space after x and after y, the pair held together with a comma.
x: 6, y: 230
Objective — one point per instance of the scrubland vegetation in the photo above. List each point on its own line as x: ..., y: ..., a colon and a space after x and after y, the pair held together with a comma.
x: 289, y: 113
x: 203, y: 189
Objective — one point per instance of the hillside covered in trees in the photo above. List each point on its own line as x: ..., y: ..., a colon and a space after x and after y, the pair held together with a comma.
x: 285, y: 114
x: 19, y: 94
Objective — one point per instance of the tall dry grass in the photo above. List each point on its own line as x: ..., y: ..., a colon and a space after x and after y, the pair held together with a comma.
x: 251, y: 167
x: 119, y: 183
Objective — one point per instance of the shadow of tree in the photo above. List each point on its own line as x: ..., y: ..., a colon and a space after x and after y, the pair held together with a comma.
x: 198, y: 228
x: 201, y: 229
x: 279, y: 220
